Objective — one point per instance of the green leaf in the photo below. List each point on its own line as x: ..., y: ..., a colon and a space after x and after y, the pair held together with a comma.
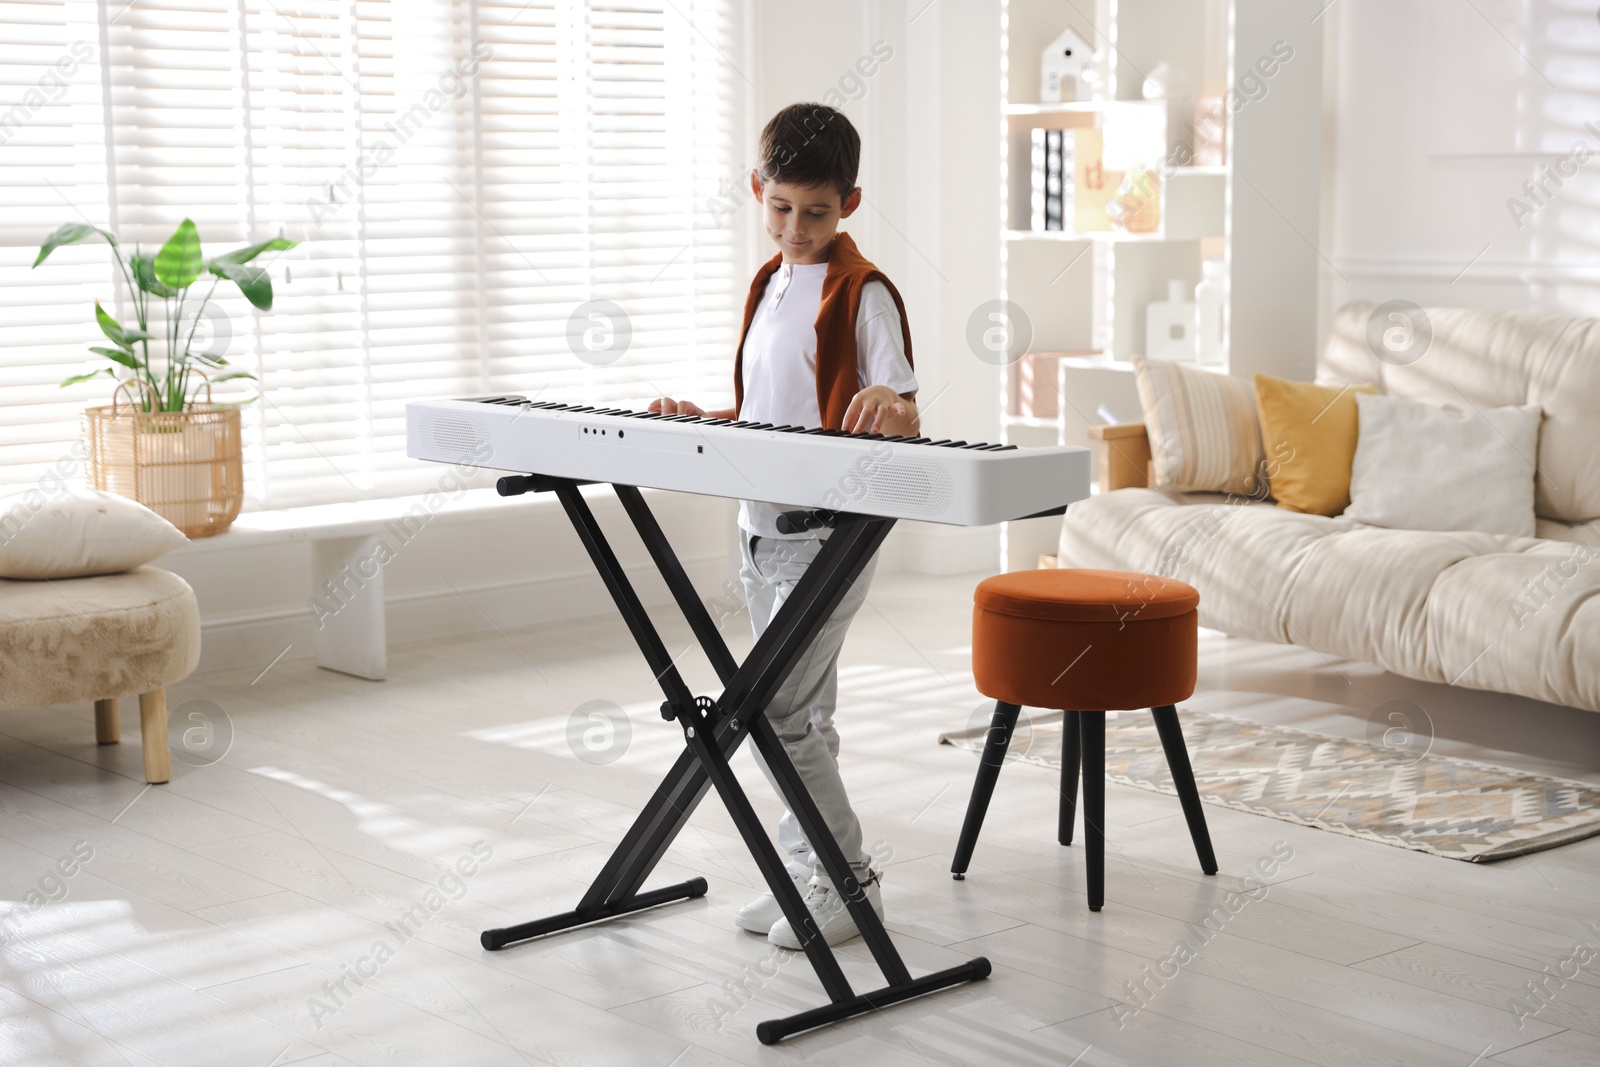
x: 249, y: 252
x: 253, y: 282
x: 109, y: 326
x: 231, y: 375
x: 178, y: 263
x: 117, y: 355
x: 144, y: 275
x: 70, y: 233
x: 76, y: 378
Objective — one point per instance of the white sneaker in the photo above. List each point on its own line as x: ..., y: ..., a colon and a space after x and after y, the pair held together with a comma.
x: 759, y: 915
x: 830, y: 912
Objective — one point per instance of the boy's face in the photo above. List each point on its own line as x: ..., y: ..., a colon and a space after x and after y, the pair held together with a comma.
x: 802, y: 219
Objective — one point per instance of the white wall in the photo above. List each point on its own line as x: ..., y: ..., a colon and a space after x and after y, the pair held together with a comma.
x: 1275, y: 150
x: 1441, y: 110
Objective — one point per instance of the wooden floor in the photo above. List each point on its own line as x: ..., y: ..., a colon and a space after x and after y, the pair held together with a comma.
x: 255, y: 911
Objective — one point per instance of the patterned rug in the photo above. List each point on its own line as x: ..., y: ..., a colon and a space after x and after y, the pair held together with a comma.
x: 1456, y: 808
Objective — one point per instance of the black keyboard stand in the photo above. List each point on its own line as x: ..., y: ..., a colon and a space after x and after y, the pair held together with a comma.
x: 712, y: 731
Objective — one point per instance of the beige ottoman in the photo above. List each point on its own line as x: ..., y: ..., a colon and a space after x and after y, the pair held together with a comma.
x: 78, y: 639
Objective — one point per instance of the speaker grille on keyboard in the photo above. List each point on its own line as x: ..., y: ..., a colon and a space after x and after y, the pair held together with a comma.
x: 909, y: 484
x: 461, y: 440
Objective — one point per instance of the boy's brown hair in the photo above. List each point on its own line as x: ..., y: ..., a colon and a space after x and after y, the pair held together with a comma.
x: 811, y: 145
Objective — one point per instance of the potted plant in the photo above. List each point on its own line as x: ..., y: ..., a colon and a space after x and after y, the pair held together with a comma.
x: 158, y: 441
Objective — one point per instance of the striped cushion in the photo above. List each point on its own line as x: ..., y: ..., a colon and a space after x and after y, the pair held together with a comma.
x: 1204, y: 434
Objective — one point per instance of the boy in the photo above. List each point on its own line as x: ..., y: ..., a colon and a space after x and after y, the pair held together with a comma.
x: 825, y: 344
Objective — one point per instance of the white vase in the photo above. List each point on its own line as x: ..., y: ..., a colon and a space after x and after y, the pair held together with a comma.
x: 1208, y: 300
x: 1169, y: 327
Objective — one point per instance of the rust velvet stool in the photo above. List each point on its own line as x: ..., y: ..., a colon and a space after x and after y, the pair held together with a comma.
x: 1085, y: 642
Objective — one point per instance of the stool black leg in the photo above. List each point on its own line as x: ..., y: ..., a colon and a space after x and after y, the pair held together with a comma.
x: 1093, y: 729
x: 1071, y: 760
x: 1183, y: 781
x: 994, y: 754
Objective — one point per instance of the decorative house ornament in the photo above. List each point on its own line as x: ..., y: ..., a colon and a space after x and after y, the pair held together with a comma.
x: 1169, y: 326
x: 1062, y: 69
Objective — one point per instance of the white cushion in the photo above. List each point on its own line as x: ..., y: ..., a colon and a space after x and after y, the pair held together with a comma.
x: 1421, y: 467
x: 1204, y: 432
x: 78, y: 533
x: 1497, y: 359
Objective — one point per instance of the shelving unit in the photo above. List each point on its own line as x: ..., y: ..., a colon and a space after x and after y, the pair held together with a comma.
x: 1089, y: 291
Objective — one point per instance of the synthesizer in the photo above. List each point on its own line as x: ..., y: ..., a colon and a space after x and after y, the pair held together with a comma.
x: 943, y: 481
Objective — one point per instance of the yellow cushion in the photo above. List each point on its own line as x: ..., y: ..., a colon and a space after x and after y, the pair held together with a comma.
x: 1309, y: 431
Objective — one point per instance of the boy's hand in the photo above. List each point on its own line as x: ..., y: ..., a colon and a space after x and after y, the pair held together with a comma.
x: 668, y: 406
x: 879, y: 409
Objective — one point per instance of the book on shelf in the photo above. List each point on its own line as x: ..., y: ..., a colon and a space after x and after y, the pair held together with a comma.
x: 1036, y: 179
x: 1050, y: 184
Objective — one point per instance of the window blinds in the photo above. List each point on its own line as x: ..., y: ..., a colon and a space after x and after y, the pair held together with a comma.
x: 492, y: 197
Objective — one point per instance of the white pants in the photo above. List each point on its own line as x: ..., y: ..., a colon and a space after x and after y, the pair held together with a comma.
x: 801, y: 711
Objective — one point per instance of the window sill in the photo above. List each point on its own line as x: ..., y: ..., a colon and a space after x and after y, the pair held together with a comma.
x: 364, y: 518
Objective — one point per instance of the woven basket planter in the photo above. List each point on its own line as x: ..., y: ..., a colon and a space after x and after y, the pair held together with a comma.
x: 186, y: 466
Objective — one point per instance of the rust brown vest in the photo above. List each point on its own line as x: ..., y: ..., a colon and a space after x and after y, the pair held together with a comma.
x: 837, y: 377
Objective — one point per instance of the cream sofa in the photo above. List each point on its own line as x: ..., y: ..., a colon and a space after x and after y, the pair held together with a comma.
x: 1507, y: 614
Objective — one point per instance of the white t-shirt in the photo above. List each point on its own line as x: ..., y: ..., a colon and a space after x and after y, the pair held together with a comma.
x: 780, y: 363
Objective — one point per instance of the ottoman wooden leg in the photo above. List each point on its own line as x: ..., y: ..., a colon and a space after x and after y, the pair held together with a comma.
x: 994, y: 755
x: 1094, y: 804
x: 107, y: 725
x: 1183, y: 781
x: 1071, y: 760
x: 153, y: 729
